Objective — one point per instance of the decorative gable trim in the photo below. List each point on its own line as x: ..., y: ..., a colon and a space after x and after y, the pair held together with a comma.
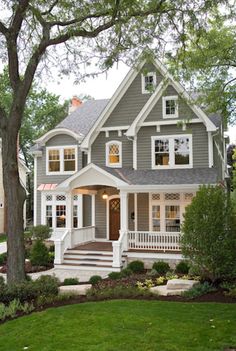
x: 57, y: 131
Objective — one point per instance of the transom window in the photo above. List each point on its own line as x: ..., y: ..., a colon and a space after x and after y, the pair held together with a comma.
x: 61, y: 160
x: 170, y: 106
x: 148, y: 82
x: 114, y: 154
x: 172, y: 151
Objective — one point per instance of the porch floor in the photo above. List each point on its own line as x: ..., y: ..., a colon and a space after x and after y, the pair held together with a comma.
x: 94, y: 246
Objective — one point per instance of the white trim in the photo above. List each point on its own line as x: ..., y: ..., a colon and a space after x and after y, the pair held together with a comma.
x: 35, y: 189
x: 120, y: 92
x: 61, y: 159
x: 111, y: 129
x: 135, y: 211
x: 210, y: 150
x: 168, y: 98
x: 149, y: 74
x: 160, y: 187
x: 111, y: 197
x: 113, y: 181
x: 170, y: 122
x: 89, y: 156
x: 93, y: 210
x: 118, y: 164
x: 171, y: 151
x: 81, y: 209
x: 42, y: 141
x: 135, y: 152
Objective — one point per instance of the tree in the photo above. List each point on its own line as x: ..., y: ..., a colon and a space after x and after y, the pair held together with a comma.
x: 208, y: 60
x: 209, y: 233
x: 35, y: 35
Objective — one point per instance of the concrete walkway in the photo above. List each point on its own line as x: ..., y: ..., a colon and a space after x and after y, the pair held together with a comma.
x: 3, y: 247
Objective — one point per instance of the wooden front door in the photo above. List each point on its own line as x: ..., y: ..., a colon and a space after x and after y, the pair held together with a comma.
x: 114, y: 218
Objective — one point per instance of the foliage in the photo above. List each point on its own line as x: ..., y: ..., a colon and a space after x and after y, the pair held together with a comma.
x: 119, y: 292
x: 126, y: 272
x: 161, y: 267
x: 136, y: 266
x: 95, y: 279
x: 170, y: 276
x: 51, y: 257
x: 146, y: 285
x: 232, y: 293
x: 160, y: 280
x: 2, y: 282
x: 114, y: 275
x: 71, y: 281
x: 182, y: 267
x: 3, y: 258
x: 40, y: 232
x: 152, y: 273
x: 3, y: 238
x: 199, y: 290
x: 13, y: 308
x: 209, y: 234
x: 234, y: 170
x: 39, y: 255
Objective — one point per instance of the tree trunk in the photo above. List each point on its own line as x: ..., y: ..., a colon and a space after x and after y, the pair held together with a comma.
x: 15, y: 197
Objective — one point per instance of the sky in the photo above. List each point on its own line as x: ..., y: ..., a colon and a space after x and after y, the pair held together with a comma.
x: 101, y: 87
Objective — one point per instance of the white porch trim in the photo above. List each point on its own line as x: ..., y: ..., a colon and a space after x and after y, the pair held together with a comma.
x: 57, y: 131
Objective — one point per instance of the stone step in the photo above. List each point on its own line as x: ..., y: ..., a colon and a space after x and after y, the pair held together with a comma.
x: 178, y: 284
x: 163, y: 291
x: 75, y: 289
x: 89, y: 252
x: 93, y: 268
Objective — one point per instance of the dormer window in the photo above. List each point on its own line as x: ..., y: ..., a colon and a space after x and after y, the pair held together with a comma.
x: 61, y: 160
x: 170, y: 107
x: 114, y: 154
x: 148, y: 82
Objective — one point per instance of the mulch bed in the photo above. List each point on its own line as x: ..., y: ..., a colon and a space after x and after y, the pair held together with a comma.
x: 29, y: 268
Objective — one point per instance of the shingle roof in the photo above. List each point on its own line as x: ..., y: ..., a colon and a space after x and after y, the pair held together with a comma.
x: 165, y: 176
x: 81, y: 120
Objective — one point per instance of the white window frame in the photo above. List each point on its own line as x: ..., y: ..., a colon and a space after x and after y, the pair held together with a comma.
x: 149, y: 74
x: 172, y: 151
x: 164, y: 100
x: 61, y: 159
x: 114, y: 165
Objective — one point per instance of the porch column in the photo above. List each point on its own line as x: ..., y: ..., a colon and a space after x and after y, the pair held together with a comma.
x: 93, y: 210
x: 135, y: 212
x: 69, y: 213
x: 123, y: 211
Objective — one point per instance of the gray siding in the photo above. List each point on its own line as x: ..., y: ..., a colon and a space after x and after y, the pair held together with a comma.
x: 99, y: 149
x: 200, y: 143
x: 185, y: 112
x: 132, y: 102
x: 143, y: 211
x: 87, y: 210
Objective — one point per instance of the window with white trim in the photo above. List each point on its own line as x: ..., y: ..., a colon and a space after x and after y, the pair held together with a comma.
x: 170, y: 106
x: 114, y: 154
x: 156, y: 218
x: 148, y: 82
x: 54, y: 210
x: 61, y: 160
x: 172, y: 218
x: 172, y: 151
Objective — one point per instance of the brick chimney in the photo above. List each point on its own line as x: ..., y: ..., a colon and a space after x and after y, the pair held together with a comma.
x: 75, y: 103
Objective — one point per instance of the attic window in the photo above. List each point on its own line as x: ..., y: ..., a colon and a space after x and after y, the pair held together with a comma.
x: 114, y: 154
x: 170, y: 107
x: 148, y: 82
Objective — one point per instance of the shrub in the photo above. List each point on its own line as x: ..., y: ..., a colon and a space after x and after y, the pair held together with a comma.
x: 126, y: 272
x: 118, y: 292
x: 114, y: 275
x: 47, y: 285
x: 231, y: 293
x: 136, y: 266
x: 209, y: 234
x: 51, y: 257
x: 39, y: 255
x: 13, y: 308
x: 161, y: 267
x: 3, y: 258
x: 95, y: 279
x: 40, y: 232
x: 71, y: 281
x: 2, y: 283
x: 199, y: 290
x: 182, y: 268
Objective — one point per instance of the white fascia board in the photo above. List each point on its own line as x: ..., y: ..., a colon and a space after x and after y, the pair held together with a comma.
x: 180, y: 89
x: 160, y: 187
x: 147, y: 108
x: 119, y: 93
x: 53, y: 132
x: 170, y: 122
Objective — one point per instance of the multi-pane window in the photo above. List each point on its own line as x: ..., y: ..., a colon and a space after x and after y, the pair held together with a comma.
x: 170, y: 107
x: 60, y: 216
x: 161, y: 152
x: 61, y: 160
x: 172, y: 218
x: 113, y: 154
x: 148, y: 82
x: 181, y: 151
x: 172, y: 151
x: 156, y: 216
x: 75, y: 216
x: 49, y: 215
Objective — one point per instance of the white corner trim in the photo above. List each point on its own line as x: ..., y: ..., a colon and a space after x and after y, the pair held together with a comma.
x: 210, y: 150
x: 42, y: 141
x: 114, y: 165
x: 149, y: 74
x: 168, y: 98
x: 35, y: 189
x: 61, y: 160
x: 135, y: 152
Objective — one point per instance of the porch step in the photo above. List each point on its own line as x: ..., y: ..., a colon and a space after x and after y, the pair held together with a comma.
x: 89, y: 261
x: 91, y: 268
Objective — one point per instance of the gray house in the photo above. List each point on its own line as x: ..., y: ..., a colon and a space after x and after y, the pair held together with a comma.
x: 113, y: 179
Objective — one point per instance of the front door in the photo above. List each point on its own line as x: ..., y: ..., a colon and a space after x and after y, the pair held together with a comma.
x: 114, y: 218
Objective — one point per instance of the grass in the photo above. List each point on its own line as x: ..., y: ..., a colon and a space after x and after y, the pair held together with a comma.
x: 3, y: 238
x: 124, y: 325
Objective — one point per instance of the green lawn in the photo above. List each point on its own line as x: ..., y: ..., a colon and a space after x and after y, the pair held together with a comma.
x: 124, y: 325
x: 3, y: 238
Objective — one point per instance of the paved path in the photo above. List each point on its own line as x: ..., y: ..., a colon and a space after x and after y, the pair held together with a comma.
x: 3, y: 247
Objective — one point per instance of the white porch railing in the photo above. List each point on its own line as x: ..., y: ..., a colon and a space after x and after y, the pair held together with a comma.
x: 119, y: 247
x: 83, y: 235
x: 153, y: 241
x: 61, y: 245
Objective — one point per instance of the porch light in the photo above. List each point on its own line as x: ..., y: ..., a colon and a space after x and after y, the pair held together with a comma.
x: 104, y: 195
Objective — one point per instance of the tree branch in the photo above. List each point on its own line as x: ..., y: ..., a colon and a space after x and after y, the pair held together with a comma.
x: 3, y: 29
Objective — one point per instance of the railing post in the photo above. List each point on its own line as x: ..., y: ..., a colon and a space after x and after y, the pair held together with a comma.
x: 116, y: 254
x: 58, y: 252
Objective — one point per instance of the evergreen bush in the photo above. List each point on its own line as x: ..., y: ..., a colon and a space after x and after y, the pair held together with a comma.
x: 39, y: 255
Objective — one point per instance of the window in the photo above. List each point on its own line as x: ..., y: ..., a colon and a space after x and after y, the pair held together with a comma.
x: 49, y: 215
x: 156, y: 225
x: 148, y: 82
x: 61, y: 160
x: 114, y: 154
x: 172, y: 151
x: 75, y: 216
x: 172, y: 218
x: 60, y: 216
x: 170, y: 106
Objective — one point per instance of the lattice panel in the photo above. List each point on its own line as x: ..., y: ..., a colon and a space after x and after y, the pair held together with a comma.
x: 172, y: 196
x: 115, y: 205
x: 188, y: 196
x: 75, y: 197
x: 114, y: 149
x: 61, y: 198
x: 156, y: 196
x: 48, y: 197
